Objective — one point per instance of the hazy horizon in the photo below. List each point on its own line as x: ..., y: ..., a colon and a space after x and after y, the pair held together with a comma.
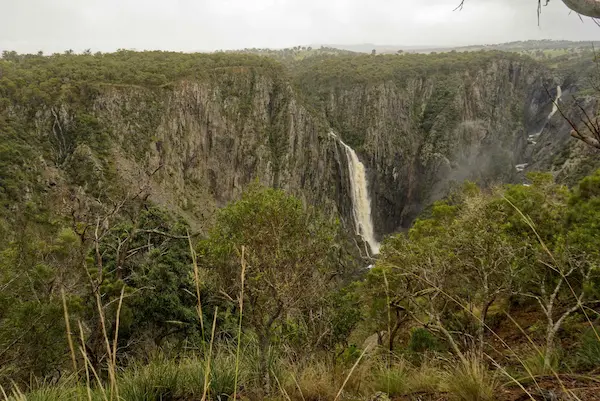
x: 209, y: 25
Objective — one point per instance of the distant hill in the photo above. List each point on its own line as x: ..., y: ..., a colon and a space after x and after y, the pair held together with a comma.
x: 520, y: 47
x: 380, y: 49
x: 534, y: 45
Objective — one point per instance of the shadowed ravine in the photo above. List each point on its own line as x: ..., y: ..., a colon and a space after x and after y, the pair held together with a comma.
x: 533, y: 138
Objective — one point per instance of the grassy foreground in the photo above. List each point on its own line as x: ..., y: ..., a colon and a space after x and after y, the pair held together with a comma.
x: 374, y: 378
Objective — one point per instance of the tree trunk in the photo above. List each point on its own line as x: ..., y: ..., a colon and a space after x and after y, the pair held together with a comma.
x: 553, y: 328
x: 450, y: 339
x: 481, y: 328
x: 392, y: 335
x: 549, y: 351
x: 394, y: 331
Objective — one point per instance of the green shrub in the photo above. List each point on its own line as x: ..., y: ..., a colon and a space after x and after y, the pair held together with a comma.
x: 350, y: 354
x: 588, y: 352
x: 421, y: 340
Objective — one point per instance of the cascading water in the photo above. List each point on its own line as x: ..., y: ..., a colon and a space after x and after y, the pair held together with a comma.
x: 531, y: 139
x: 361, y: 201
x: 555, y: 104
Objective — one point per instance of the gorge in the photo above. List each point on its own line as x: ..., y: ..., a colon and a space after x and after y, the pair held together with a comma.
x: 179, y: 216
x: 531, y: 139
x: 199, y: 135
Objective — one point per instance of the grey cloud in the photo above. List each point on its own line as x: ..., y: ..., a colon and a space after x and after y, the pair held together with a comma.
x: 191, y: 25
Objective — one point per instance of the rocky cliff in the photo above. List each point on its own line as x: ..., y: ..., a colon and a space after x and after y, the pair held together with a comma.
x: 420, y: 124
x: 198, y: 143
x: 421, y: 132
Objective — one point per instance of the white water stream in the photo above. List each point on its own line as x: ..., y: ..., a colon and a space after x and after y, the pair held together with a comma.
x: 555, y: 104
x: 361, y: 201
x: 531, y: 139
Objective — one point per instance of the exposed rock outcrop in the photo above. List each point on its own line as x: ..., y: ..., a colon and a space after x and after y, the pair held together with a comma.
x: 204, y: 140
x: 421, y: 135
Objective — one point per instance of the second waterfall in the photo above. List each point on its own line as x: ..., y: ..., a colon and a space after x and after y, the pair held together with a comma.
x: 361, y: 201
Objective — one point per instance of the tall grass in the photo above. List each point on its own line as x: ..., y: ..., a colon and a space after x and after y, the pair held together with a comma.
x: 208, y: 359
x: 188, y: 378
x: 315, y: 381
x: 393, y: 379
x: 66, y: 390
x: 470, y: 380
x: 197, y: 283
x: 158, y: 380
x: 339, y: 393
x: 68, y: 328
x: 540, y: 363
x: 239, y: 336
x: 588, y: 352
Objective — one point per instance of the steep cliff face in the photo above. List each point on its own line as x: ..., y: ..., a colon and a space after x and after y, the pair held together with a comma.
x: 199, y: 143
x: 420, y: 134
x: 553, y: 148
x: 420, y: 124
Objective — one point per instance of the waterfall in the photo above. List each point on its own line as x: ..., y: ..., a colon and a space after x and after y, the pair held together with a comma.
x: 555, y: 104
x: 361, y: 201
x: 531, y: 139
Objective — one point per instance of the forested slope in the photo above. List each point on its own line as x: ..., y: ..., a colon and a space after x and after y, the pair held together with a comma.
x: 145, y: 185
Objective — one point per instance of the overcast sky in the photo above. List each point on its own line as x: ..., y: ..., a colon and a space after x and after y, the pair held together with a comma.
x: 197, y: 25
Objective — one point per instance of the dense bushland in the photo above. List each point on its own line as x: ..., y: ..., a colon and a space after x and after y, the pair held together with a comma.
x: 504, y: 281
x: 492, y: 294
